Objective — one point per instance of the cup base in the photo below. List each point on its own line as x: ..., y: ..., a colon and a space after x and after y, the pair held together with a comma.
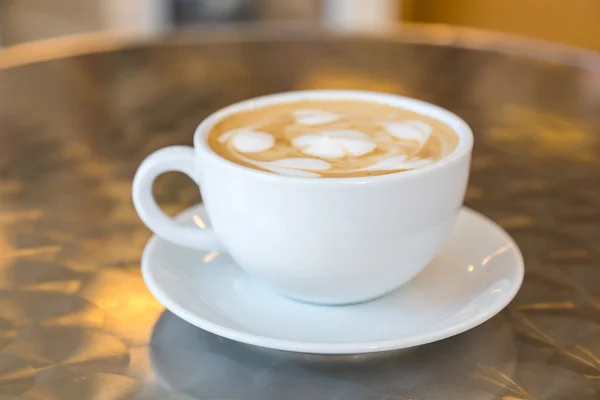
x: 335, y: 303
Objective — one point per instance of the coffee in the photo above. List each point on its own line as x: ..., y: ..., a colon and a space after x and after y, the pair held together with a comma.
x: 331, y: 139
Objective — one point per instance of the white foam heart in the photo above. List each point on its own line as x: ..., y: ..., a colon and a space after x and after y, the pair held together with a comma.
x: 247, y: 140
x: 314, y: 117
x: 325, y: 148
x: 335, y: 144
x: 358, y: 147
x: 305, y: 140
x: 409, y: 130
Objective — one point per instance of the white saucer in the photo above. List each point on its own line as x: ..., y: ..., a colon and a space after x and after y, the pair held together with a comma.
x: 477, y: 273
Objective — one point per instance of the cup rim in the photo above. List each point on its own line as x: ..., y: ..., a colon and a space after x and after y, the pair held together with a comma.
x: 457, y: 124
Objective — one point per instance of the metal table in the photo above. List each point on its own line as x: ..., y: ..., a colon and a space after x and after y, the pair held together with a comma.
x: 76, y: 321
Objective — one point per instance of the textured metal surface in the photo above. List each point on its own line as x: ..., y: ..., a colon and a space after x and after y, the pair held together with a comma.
x: 76, y: 321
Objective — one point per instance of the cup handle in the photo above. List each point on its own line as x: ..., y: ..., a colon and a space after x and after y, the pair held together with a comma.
x: 173, y: 158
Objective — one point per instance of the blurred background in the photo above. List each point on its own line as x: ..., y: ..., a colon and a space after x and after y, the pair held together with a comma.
x: 572, y: 22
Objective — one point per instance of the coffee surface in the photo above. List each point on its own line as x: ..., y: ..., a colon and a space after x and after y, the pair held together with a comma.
x: 331, y: 139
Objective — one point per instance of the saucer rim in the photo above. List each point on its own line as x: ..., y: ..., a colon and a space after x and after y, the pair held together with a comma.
x: 313, y: 347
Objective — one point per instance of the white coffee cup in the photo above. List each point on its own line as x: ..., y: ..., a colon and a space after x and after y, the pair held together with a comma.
x: 319, y: 240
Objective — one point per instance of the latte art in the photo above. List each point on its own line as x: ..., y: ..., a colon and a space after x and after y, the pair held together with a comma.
x: 335, y: 143
x: 331, y: 139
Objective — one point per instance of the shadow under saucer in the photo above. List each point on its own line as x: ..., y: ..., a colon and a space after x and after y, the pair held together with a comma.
x: 200, y: 364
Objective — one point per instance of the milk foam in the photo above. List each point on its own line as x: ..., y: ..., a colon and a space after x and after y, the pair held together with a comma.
x: 293, y: 166
x: 288, y: 171
x: 247, y: 140
x: 409, y: 130
x: 297, y: 166
x: 335, y: 143
x: 314, y: 117
x: 332, y: 139
x: 397, y: 163
x: 302, y: 163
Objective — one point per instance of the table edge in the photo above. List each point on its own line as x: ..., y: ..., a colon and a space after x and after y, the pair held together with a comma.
x: 428, y: 34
